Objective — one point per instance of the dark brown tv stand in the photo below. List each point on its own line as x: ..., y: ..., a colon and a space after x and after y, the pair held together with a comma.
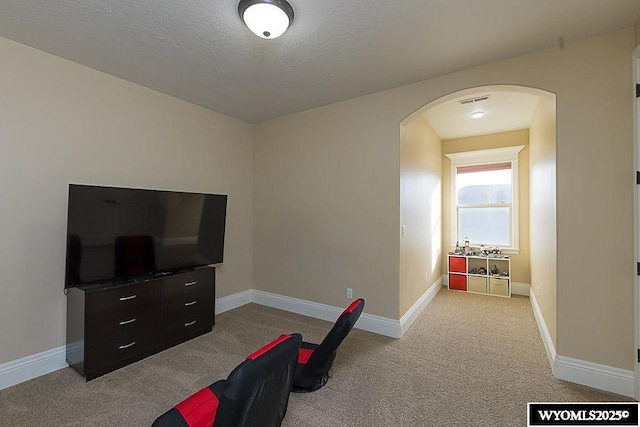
x: 112, y: 325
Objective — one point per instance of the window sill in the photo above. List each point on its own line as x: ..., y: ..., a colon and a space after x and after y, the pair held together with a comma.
x: 511, y: 251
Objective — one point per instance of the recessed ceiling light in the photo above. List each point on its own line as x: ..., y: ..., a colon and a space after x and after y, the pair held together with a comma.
x: 477, y: 114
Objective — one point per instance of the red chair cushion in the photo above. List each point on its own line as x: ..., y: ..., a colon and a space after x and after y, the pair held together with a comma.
x: 304, y: 355
x: 199, y: 409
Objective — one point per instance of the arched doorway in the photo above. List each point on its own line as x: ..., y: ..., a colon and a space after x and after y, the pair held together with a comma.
x: 426, y: 195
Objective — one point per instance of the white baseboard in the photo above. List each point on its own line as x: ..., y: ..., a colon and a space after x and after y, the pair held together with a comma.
x: 233, y: 301
x: 549, y: 347
x: 520, y: 288
x: 603, y: 377
x: 296, y: 305
x: 368, y: 322
x: 416, y: 309
x: 29, y: 367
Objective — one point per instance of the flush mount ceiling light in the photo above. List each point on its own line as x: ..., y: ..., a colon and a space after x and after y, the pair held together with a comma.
x: 266, y: 18
x: 477, y: 114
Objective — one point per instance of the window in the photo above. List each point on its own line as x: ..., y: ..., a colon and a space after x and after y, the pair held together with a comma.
x: 484, y: 197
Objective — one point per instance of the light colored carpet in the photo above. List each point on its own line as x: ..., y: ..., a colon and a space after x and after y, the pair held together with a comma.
x: 469, y: 360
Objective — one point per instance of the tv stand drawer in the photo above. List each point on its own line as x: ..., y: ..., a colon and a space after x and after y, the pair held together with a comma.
x: 194, y: 283
x: 186, y: 323
x: 122, y: 301
x: 117, y: 312
x: 118, y: 349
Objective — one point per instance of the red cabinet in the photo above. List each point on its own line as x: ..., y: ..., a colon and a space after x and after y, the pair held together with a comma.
x: 457, y: 264
x: 457, y: 282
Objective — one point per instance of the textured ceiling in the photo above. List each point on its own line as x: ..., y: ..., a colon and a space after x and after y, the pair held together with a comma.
x: 199, y: 50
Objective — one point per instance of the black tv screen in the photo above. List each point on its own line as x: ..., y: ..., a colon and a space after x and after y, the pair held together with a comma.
x: 114, y: 234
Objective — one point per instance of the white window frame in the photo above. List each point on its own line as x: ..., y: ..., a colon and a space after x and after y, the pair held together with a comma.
x: 484, y: 157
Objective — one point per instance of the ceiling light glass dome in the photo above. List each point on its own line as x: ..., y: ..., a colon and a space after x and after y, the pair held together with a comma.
x: 268, y: 19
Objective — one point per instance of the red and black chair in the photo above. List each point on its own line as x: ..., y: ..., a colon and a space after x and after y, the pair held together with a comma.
x: 315, y: 360
x: 255, y: 394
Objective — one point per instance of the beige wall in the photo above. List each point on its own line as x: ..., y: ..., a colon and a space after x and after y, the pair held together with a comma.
x: 595, y: 163
x: 326, y: 200
x: 520, y: 268
x: 63, y: 123
x: 420, y: 210
x: 637, y: 33
x: 542, y: 185
x: 326, y: 192
x: 326, y: 186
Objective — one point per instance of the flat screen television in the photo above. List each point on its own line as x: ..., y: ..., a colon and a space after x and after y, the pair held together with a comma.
x: 119, y: 234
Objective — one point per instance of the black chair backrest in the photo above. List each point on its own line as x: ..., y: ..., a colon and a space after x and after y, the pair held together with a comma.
x: 257, y: 391
x: 326, y: 350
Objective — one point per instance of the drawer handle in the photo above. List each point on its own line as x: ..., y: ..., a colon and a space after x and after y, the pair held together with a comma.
x: 131, y: 344
x: 190, y: 323
x: 190, y: 283
x: 187, y: 304
x: 127, y: 298
x: 126, y: 322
